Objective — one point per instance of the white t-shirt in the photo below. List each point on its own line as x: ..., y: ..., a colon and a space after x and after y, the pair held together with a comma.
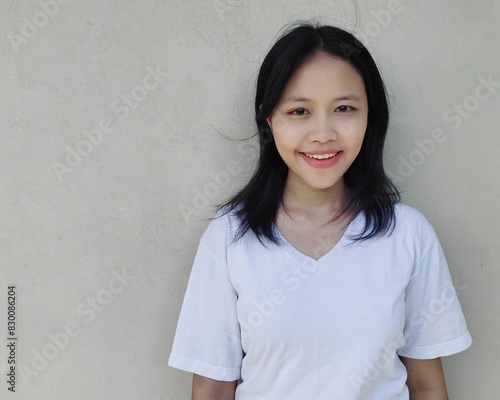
x: 292, y: 327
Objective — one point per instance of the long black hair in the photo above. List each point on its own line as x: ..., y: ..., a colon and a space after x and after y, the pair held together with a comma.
x: 371, y: 190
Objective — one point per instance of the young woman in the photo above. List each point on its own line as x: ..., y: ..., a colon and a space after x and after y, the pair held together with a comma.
x: 314, y: 282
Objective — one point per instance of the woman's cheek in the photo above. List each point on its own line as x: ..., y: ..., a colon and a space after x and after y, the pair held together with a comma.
x: 358, y: 127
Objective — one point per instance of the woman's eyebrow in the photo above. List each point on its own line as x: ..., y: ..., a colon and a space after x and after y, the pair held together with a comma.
x: 352, y: 97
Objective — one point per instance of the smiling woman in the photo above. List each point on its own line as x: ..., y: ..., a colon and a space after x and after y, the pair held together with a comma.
x: 307, y: 283
x: 316, y: 127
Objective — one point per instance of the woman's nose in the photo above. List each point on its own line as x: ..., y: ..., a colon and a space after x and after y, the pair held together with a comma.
x: 322, y: 128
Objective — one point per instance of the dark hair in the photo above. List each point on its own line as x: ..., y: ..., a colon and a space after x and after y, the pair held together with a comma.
x: 371, y: 190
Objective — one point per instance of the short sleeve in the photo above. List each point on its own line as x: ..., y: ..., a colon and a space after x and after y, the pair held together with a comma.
x: 207, y: 340
x: 435, y: 325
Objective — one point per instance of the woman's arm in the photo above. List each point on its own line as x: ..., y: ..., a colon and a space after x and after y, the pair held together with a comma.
x: 210, y: 389
x: 425, y: 379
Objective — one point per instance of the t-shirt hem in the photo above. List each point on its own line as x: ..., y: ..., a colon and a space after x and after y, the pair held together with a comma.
x: 439, y: 350
x: 204, y: 369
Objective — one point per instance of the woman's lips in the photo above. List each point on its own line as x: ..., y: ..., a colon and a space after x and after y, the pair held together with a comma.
x: 323, y: 159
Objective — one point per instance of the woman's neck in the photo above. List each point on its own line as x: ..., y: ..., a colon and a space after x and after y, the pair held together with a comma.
x: 310, y: 203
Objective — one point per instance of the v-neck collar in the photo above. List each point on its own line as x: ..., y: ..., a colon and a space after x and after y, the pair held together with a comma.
x: 332, y: 256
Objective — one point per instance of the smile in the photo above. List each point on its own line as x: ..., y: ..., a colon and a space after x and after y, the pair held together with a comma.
x: 325, y: 160
x: 321, y: 156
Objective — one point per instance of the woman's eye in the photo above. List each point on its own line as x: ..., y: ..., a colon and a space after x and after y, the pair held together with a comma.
x: 344, y: 109
x: 299, y: 111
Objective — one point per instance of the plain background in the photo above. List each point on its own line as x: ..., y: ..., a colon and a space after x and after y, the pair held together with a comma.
x: 161, y: 78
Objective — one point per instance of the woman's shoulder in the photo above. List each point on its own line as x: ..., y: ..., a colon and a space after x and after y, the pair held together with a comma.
x: 408, y: 218
x: 222, y: 227
x: 406, y: 212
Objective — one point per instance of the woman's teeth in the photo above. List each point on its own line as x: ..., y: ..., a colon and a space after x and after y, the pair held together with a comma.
x: 321, y: 156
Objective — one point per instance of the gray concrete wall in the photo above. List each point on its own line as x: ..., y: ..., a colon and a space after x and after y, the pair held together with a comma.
x: 108, y: 152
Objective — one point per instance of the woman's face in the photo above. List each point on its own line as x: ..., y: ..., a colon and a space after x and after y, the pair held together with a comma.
x: 320, y: 122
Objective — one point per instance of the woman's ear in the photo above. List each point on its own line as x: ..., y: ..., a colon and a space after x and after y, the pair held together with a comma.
x: 268, y: 119
x: 270, y: 122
